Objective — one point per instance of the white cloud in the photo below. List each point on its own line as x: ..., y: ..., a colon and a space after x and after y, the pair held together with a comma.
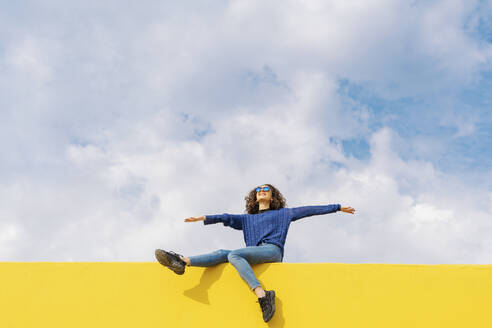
x: 126, y: 129
x: 27, y: 59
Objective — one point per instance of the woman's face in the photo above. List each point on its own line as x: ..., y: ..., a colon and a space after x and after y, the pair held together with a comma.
x: 264, y: 195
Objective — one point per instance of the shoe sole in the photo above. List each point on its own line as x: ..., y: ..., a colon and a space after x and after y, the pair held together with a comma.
x: 162, y: 258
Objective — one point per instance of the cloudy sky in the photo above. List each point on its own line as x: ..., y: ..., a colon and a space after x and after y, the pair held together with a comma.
x: 121, y: 118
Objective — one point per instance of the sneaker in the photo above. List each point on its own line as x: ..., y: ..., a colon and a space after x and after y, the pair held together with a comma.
x: 170, y: 260
x: 267, y: 304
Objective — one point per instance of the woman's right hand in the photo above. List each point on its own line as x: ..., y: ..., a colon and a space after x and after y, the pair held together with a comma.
x: 195, y: 218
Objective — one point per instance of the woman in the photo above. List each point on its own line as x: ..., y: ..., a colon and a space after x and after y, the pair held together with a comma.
x: 265, y: 228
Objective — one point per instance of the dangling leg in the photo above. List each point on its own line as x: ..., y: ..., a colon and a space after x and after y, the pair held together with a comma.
x: 243, y: 258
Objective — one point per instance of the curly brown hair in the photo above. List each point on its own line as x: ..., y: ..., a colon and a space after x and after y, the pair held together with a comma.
x: 278, y: 200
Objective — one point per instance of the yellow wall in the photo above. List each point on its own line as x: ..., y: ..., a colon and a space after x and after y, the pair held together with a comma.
x: 308, y: 295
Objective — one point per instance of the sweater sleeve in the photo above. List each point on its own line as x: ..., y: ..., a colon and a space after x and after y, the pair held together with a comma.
x: 297, y: 213
x: 231, y: 220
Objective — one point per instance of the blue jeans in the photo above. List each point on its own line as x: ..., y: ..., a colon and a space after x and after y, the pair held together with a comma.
x: 241, y: 259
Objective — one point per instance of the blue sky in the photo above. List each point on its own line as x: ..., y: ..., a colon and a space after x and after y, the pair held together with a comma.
x: 120, y: 120
x: 466, y: 148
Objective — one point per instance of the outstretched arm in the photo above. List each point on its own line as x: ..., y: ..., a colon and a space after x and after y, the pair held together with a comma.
x: 232, y: 220
x: 305, y: 211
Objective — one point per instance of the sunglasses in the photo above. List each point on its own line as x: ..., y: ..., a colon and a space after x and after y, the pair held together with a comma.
x: 264, y: 189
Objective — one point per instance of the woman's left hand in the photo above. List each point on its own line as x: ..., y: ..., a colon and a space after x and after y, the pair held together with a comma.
x: 347, y: 209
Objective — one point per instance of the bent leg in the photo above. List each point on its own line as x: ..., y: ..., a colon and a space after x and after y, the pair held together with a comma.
x: 243, y: 258
x: 210, y: 259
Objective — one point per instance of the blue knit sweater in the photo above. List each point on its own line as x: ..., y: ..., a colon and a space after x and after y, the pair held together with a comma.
x: 269, y: 226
